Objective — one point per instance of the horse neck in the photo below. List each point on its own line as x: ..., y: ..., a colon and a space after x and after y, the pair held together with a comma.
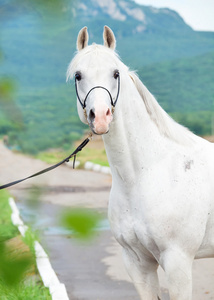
x: 134, y: 141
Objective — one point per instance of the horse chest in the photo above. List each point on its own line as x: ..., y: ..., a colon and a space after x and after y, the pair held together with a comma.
x: 129, y: 226
x: 147, y: 215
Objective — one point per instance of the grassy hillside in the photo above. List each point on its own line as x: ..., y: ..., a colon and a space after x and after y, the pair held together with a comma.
x: 36, y: 48
x: 185, y: 88
x: 35, y: 58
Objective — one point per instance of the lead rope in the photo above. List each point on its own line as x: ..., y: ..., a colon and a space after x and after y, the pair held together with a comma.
x: 73, y: 154
x: 89, y: 138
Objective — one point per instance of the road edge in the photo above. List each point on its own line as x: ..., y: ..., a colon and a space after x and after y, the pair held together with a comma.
x: 47, y: 273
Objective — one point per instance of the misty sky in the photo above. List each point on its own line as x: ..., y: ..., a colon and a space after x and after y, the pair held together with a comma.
x: 199, y: 14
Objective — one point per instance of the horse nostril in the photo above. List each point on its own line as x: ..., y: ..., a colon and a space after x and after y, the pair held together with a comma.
x: 92, y: 115
x: 108, y: 113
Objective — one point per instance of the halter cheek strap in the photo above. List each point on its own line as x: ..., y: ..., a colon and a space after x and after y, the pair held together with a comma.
x: 113, y: 103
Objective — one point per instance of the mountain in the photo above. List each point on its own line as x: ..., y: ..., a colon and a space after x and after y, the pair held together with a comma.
x: 38, y: 39
x: 136, y: 18
x: 144, y: 34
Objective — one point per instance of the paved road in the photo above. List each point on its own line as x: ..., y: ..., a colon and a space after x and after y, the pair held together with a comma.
x: 90, y: 271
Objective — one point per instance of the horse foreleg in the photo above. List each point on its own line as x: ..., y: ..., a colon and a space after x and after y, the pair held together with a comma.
x: 178, y: 269
x: 143, y: 273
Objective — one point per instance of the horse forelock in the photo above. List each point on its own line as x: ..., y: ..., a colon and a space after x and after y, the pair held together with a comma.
x: 93, y: 51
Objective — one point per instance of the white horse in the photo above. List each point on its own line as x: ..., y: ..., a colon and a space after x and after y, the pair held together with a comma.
x: 161, y: 206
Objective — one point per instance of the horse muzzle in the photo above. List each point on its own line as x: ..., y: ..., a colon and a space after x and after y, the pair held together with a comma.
x: 100, y: 119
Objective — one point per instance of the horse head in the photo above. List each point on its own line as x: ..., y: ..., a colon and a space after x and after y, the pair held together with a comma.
x: 97, y: 80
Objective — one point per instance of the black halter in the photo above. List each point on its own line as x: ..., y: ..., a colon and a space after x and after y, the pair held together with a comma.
x: 113, y: 102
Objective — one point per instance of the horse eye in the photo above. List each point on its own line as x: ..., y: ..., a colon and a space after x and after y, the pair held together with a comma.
x: 78, y: 76
x: 116, y: 74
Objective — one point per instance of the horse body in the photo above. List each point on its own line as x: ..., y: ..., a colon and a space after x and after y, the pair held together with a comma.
x: 161, y: 206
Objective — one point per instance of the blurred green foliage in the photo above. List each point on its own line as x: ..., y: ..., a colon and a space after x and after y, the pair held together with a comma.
x: 82, y: 221
x: 17, y: 262
x: 7, y: 229
x: 13, y: 269
x: 8, y: 108
x: 14, y: 8
x: 32, y: 115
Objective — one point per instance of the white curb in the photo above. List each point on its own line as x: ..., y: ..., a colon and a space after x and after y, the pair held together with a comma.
x: 97, y: 168
x: 49, y: 278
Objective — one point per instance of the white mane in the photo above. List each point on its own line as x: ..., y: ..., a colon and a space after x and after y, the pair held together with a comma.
x: 166, y: 125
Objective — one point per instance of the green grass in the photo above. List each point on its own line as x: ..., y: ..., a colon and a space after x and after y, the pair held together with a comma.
x: 25, y: 291
x: 19, y: 279
x: 52, y: 156
x: 7, y: 229
x: 97, y: 156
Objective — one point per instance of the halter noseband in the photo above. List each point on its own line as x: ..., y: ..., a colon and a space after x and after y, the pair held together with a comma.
x: 113, y: 103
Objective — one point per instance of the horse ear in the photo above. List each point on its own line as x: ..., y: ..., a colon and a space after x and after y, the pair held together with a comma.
x: 109, y: 38
x: 82, y: 39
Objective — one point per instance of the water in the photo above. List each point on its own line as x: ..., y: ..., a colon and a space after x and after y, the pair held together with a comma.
x: 46, y: 218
